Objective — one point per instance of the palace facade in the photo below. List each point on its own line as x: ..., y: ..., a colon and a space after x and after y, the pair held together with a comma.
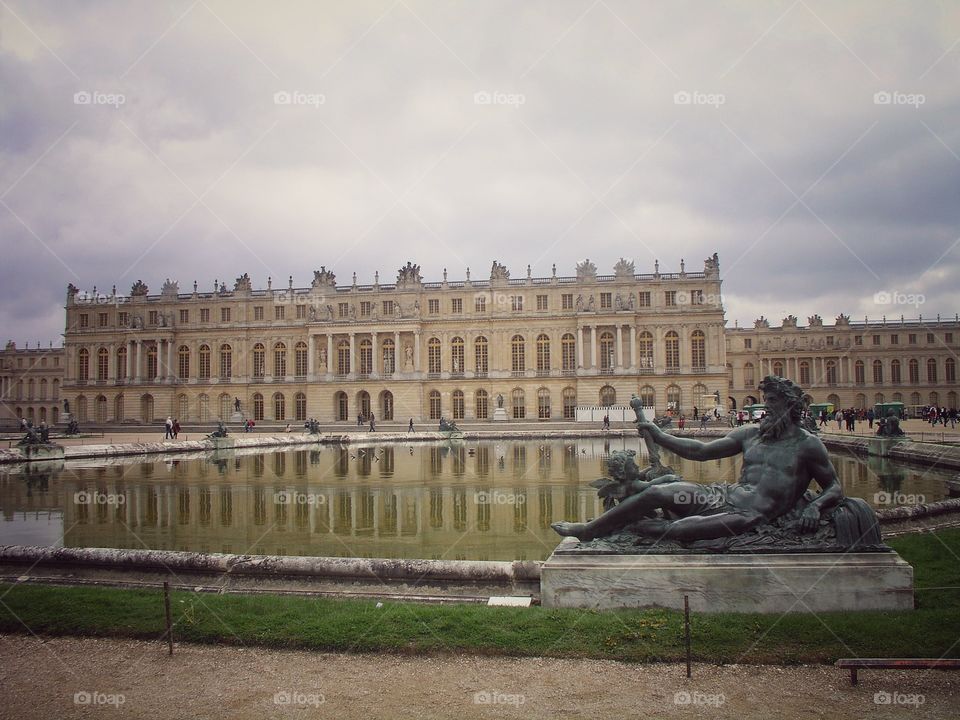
x: 408, y: 349
x: 30, y: 384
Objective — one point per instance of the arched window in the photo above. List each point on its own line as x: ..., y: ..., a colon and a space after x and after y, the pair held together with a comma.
x: 748, y: 377
x: 279, y: 360
x: 951, y: 399
x: 82, y: 409
x: 43, y: 389
x: 300, y: 407
x: 805, y: 373
x: 481, y: 403
x: 257, y: 407
x: 456, y: 355
x: 834, y: 400
x: 608, y: 396
x: 673, y: 398
x: 103, y: 368
x: 363, y: 404
x: 831, y: 372
x: 648, y: 397
x: 122, y: 362
x: 481, y: 356
x: 225, y: 407
x: 700, y: 397
x: 518, y: 360
x: 568, y: 352
x: 386, y: 405
x: 226, y: 362
x: 366, y: 356
x: 83, y: 365
x: 897, y: 397
x: 877, y: 372
x: 183, y: 407
x: 433, y: 355
x: 183, y: 363
x: 279, y: 407
x: 300, y: 361
x: 343, y: 358
x: 458, y: 405
x: 569, y: 403
x: 934, y: 399
x: 56, y: 389
x: 645, y: 359
x: 878, y: 398
x: 518, y: 403
x: 101, y: 409
x: 543, y: 404
x: 389, y: 358
x: 340, y: 406
x: 203, y: 407
x: 860, y: 401
x: 895, y: 373
x: 950, y: 374
x: 259, y: 360
x: 152, y: 368
x: 698, y: 352
x: 931, y: 372
x: 543, y: 355
x: 146, y: 408
x: 54, y: 415
x: 672, y: 351
x: 433, y: 403
x: 43, y: 414
x: 914, y: 370
x: 914, y: 398
x: 607, y: 358
x: 778, y: 368
x: 204, y: 362
x: 859, y: 372
x: 30, y: 389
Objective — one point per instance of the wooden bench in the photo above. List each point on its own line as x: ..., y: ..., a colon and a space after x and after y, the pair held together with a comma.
x: 854, y: 664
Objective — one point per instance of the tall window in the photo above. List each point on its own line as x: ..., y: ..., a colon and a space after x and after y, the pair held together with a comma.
x: 518, y: 404
x: 698, y: 352
x: 300, y: 406
x: 672, y: 351
x: 805, y: 373
x: 895, y: 373
x: 259, y: 360
x: 481, y: 355
x: 366, y: 357
x: 568, y: 352
x: 83, y: 364
x: 152, y: 362
x: 518, y: 362
x: 877, y: 372
x: 831, y: 372
x: 778, y: 368
x: 607, y: 359
x: 646, y: 350
x: 103, y: 366
x: 543, y: 355
x: 204, y: 356
x: 343, y: 357
x: 914, y: 369
x: 543, y: 404
x: 433, y: 355
x: 226, y: 361
x: 673, y: 398
x: 122, y: 362
x: 386, y: 406
x: 480, y: 304
x: 340, y: 406
x: 458, y: 405
x: 279, y: 407
x: 569, y: 403
x: 279, y: 360
x: 859, y: 372
x: 183, y: 362
x: 389, y: 357
x: 931, y: 370
x: 434, y: 404
x: 481, y: 401
x: 748, y: 378
x: 608, y: 396
x: 456, y: 355
x: 300, y: 360
x: 647, y: 396
x: 950, y: 371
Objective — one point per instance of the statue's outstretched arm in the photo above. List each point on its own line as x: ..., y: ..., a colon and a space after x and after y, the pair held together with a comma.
x: 727, y: 446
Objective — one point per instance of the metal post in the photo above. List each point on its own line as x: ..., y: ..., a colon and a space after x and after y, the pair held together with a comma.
x: 686, y: 628
x: 166, y: 607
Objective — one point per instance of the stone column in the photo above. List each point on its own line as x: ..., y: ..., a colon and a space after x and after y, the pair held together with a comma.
x: 169, y: 359
x: 397, y: 352
x: 594, y: 346
x: 633, y: 346
x: 353, y: 353
x: 311, y: 347
x: 330, y: 358
x: 137, y: 359
x: 131, y: 349
x: 375, y: 366
x: 579, y: 347
x: 416, y: 351
x: 619, y: 345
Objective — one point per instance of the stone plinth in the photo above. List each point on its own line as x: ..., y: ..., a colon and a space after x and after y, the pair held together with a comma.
x: 742, y: 583
x: 39, y: 453
x: 237, y: 417
x: 223, y: 443
x: 500, y: 415
x: 881, y: 446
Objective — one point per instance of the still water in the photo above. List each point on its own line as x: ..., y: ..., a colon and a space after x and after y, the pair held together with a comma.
x: 484, y: 500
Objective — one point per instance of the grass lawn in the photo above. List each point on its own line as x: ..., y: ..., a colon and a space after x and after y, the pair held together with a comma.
x: 632, y: 635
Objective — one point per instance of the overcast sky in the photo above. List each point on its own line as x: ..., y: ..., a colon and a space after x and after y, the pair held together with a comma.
x: 814, y: 145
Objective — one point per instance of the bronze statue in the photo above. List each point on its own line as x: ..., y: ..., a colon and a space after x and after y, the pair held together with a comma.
x: 220, y: 432
x: 890, y: 426
x: 780, y: 459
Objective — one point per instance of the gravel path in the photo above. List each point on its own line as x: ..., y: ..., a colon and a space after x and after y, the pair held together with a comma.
x: 87, y: 677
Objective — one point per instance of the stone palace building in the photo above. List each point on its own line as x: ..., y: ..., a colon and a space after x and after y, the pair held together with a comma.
x: 545, y: 346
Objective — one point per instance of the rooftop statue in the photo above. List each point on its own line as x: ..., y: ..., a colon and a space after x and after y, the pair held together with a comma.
x: 769, y: 507
x: 139, y: 289
x: 323, y: 278
x: 409, y: 275
x: 243, y: 284
x: 586, y: 270
x: 498, y: 271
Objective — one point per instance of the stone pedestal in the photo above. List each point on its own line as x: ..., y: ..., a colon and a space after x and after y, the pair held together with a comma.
x: 41, y: 453
x: 225, y: 443
x: 775, y: 583
x: 499, y: 415
x: 881, y: 446
x: 237, y: 417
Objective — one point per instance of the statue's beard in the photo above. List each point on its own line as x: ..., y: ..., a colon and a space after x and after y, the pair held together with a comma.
x: 773, y: 427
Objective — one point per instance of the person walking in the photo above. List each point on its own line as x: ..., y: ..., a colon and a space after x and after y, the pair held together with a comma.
x: 410, y: 426
x: 168, y: 429
x: 373, y: 422
x: 606, y: 422
x: 176, y: 428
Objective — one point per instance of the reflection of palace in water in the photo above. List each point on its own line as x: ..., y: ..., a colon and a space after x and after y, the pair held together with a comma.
x: 484, y: 501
